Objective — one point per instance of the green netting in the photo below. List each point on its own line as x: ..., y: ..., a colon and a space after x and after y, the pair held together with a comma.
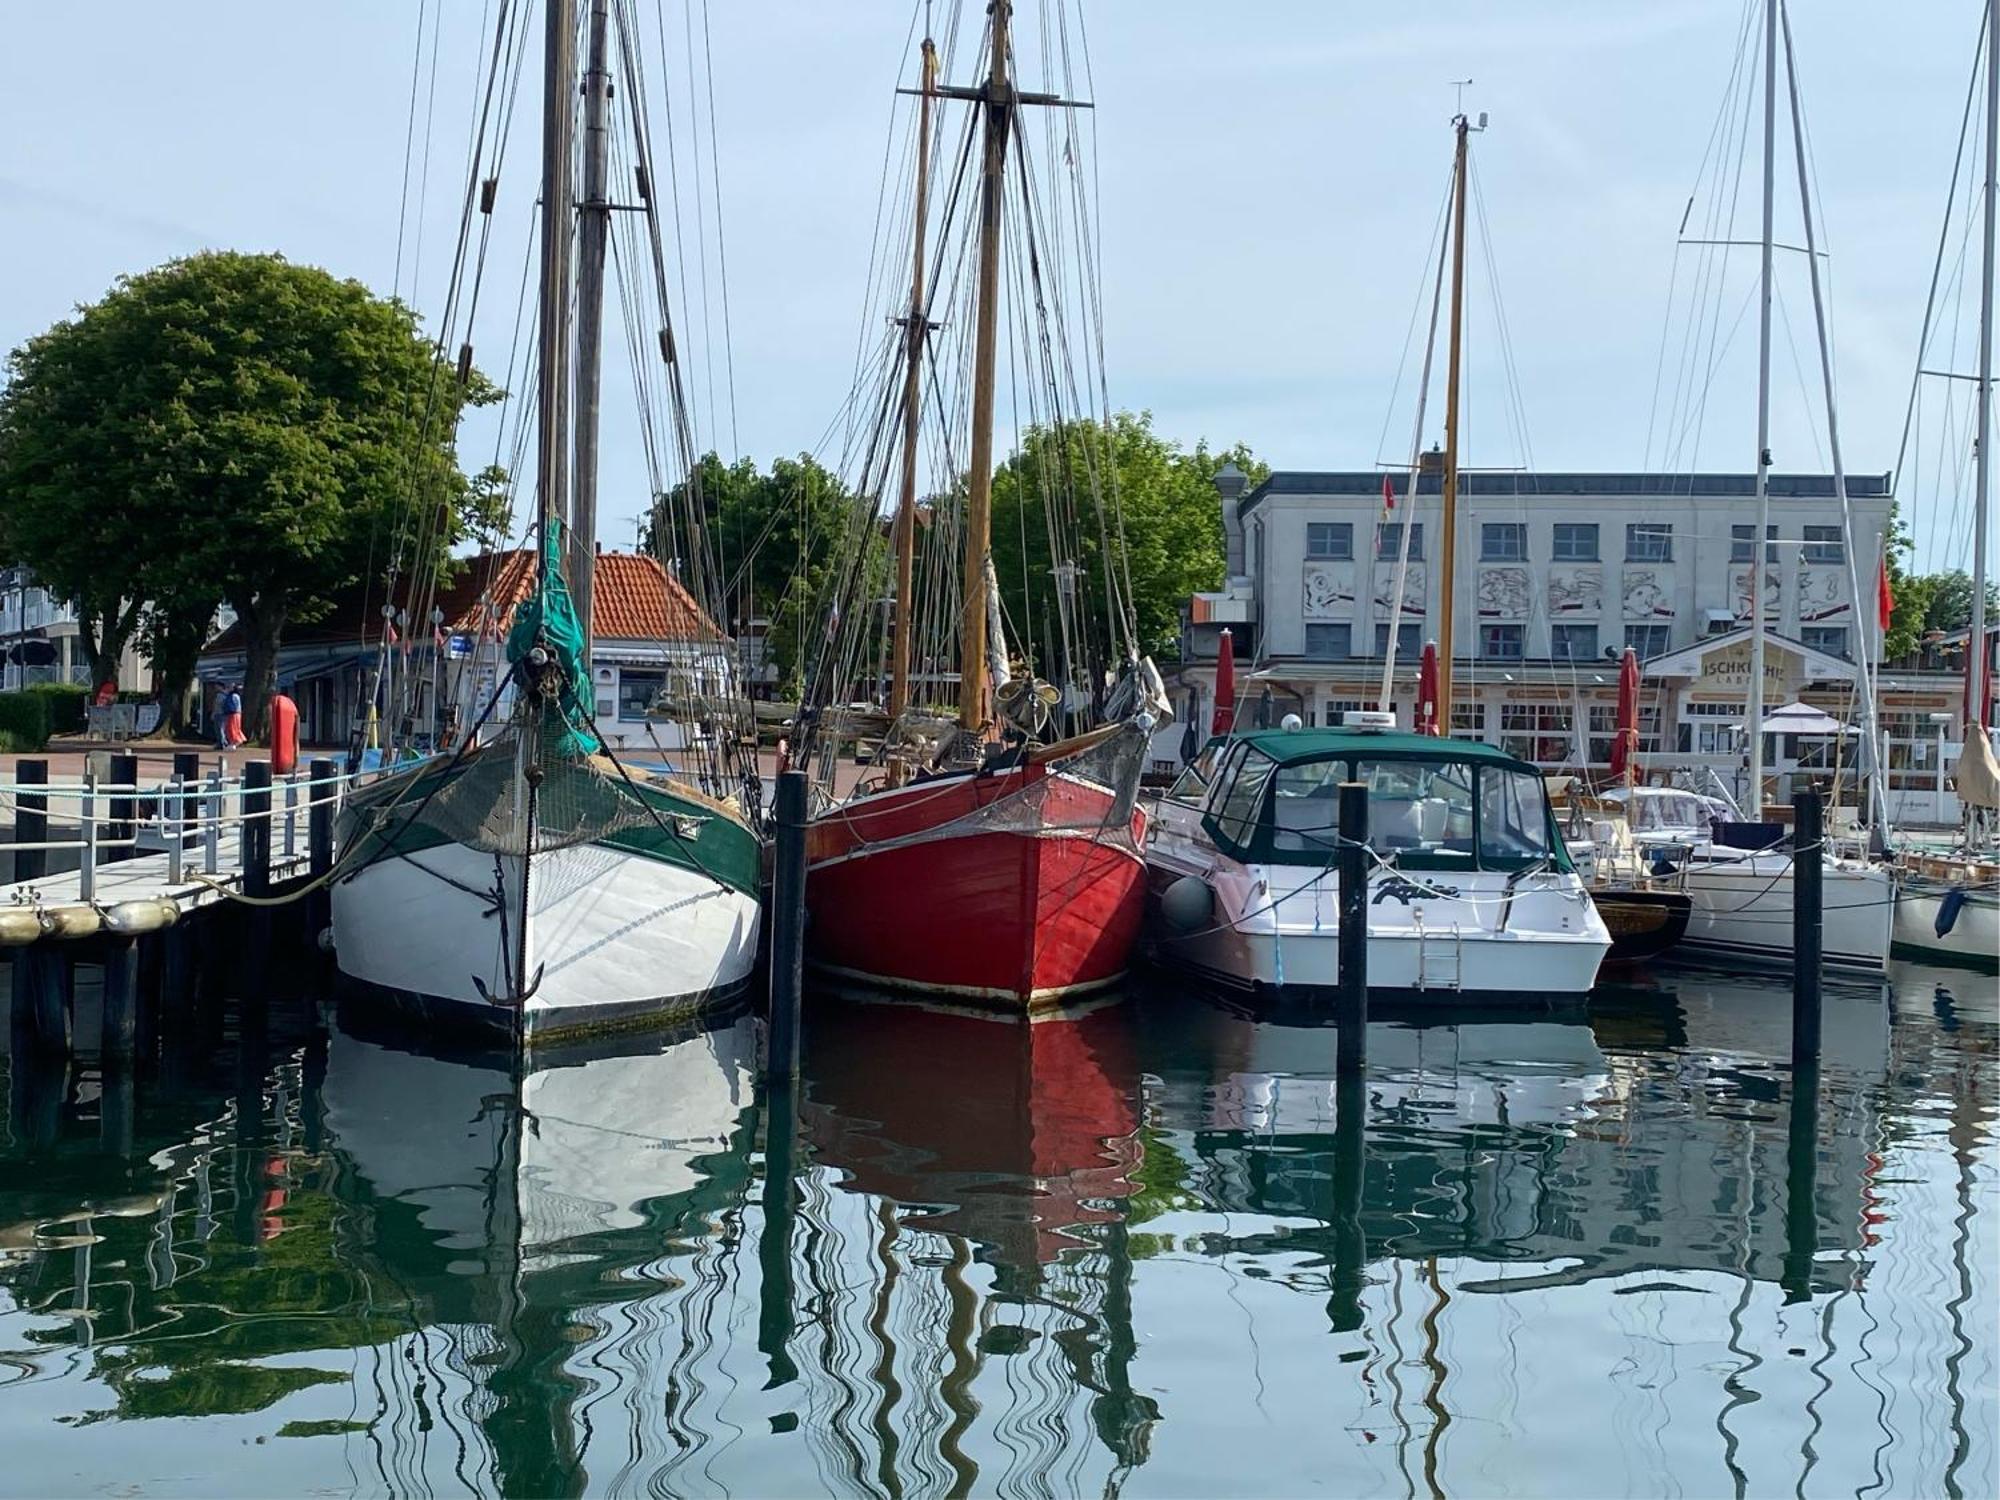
x: 548, y: 619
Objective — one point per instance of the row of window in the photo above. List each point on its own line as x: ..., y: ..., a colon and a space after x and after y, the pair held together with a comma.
x: 1327, y: 641
x: 1572, y: 541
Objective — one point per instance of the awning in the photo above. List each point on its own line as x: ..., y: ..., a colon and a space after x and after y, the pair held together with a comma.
x: 1802, y: 718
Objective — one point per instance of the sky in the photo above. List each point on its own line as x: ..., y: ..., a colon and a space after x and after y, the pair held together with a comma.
x: 1271, y: 172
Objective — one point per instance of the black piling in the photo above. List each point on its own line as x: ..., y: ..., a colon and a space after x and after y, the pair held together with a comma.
x: 123, y: 811
x: 44, y: 986
x: 257, y: 828
x: 319, y: 846
x: 121, y: 999
x: 253, y: 924
x: 1351, y: 864
x: 1808, y: 884
x: 788, y: 929
x: 1802, y: 1185
x: 31, y: 819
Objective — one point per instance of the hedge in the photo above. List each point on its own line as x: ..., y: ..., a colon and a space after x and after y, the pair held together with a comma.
x: 24, y: 720
x: 67, y: 702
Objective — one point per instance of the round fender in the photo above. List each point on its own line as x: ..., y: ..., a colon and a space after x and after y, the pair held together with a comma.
x: 19, y: 926
x: 1188, y: 904
x: 68, y: 922
x: 130, y: 918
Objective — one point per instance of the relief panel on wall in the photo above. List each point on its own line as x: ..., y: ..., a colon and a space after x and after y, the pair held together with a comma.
x: 1504, y: 593
x: 1413, y: 588
x: 1648, y: 594
x: 1329, y: 591
x: 1823, y: 594
x: 1577, y: 592
x: 1739, y: 594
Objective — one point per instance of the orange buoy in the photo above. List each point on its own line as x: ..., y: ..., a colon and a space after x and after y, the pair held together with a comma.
x: 284, y: 734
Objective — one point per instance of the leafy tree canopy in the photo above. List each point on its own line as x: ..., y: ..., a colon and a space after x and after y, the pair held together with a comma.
x: 231, y: 427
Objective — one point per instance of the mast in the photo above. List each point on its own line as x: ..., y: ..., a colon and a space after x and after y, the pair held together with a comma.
x: 1976, y: 653
x: 914, y: 330
x: 972, y: 714
x: 1755, y: 703
x: 1448, y: 517
x: 552, y: 394
x: 593, y: 228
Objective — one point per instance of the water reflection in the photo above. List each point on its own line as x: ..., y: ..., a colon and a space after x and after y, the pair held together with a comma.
x: 1627, y: 1252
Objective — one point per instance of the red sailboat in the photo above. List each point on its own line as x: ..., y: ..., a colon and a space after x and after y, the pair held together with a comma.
x: 1000, y: 870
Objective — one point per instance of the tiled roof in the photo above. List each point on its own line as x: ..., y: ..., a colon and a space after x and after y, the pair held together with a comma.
x: 636, y: 600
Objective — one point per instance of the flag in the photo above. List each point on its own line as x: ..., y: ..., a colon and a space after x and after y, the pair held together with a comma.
x: 1885, y: 597
x: 1388, y: 496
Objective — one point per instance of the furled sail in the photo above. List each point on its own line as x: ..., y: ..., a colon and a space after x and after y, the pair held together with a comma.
x: 1977, y: 773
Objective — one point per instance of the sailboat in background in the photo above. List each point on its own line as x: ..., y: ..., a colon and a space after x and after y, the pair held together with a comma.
x: 1948, y: 902
x: 531, y: 883
x: 983, y: 863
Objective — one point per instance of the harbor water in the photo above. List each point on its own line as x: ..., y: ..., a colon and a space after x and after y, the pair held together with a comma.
x: 1150, y: 1249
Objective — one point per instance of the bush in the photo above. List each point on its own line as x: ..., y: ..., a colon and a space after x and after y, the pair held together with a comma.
x: 24, y: 721
x: 66, y: 703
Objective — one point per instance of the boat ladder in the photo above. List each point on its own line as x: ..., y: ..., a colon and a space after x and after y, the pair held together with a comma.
x: 1440, y: 957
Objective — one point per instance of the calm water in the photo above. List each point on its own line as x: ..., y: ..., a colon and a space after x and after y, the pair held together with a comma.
x: 1150, y: 1250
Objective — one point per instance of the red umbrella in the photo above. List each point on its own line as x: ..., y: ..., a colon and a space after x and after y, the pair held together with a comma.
x: 1225, y: 686
x: 1427, y: 690
x: 1626, y: 744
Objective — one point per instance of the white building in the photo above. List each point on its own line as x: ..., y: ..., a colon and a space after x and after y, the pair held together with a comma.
x: 1555, y: 575
x: 41, y: 639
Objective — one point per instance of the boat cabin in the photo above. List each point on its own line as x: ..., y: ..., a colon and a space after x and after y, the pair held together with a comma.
x: 1273, y: 797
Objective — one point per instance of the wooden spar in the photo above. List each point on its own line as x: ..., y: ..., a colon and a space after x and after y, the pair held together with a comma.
x: 914, y: 333
x: 1448, y: 517
x: 593, y: 228
x: 972, y: 684
x: 552, y: 396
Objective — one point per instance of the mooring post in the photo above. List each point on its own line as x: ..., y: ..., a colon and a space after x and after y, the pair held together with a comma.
x: 1808, y: 884
x: 123, y: 821
x: 31, y: 819
x: 1351, y: 862
x: 44, y: 981
x: 256, y: 814
x: 788, y: 928
x: 323, y: 793
x: 121, y: 998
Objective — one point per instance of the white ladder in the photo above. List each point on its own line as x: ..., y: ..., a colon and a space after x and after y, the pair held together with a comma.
x: 1440, y: 957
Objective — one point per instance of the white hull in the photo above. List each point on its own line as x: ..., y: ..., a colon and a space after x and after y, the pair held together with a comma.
x: 612, y: 937
x: 1974, y: 939
x: 1743, y: 908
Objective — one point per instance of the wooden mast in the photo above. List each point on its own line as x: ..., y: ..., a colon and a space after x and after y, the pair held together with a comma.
x: 552, y: 393
x: 1448, y: 517
x: 593, y: 228
x: 972, y: 682
x: 914, y: 330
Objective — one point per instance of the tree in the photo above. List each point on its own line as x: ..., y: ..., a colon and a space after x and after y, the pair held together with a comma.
x: 1099, y: 483
x: 231, y: 427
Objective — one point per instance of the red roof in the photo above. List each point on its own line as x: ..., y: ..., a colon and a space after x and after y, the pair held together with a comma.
x: 636, y: 600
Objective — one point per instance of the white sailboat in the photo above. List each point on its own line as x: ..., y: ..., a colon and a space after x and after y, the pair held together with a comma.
x: 532, y: 884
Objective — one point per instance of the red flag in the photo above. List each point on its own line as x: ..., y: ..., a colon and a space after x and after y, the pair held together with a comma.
x: 1885, y: 597
x: 1388, y: 496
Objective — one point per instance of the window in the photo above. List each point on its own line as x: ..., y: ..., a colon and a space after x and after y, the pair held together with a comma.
x: 1573, y: 642
x: 1468, y: 719
x: 1503, y: 541
x: 1241, y: 796
x: 1575, y: 541
x: 1339, y: 708
x: 1389, y: 537
x: 1305, y: 808
x: 1648, y: 640
x: 1538, y: 731
x: 1832, y: 639
x: 1409, y: 639
x: 1418, y: 807
x: 1649, y: 541
x: 1330, y: 540
x: 1501, y: 642
x: 1709, y: 729
x: 1740, y: 538
x: 1604, y: 728
x: 1329, y: 642
x: 1825, y: 544
x: 1513, y: 817
x: 637, y: 692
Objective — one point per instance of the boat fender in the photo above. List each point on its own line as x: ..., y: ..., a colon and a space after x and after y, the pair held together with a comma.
x: 19, y: 926
x: 1948, y: 910
x: 130, y: 918
x: 1188, y: 903
x: 71, y: 921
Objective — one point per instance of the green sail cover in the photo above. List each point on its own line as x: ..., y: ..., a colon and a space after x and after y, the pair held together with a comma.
x: 548, y: 617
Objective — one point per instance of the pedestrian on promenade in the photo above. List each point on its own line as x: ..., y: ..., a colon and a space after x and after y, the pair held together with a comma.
x: 232, y: 717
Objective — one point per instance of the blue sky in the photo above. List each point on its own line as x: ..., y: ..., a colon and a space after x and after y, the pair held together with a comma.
x: 1270, y: 175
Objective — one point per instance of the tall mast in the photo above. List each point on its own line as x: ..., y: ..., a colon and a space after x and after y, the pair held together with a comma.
x: 914, y: 331
x: 1976, y: 655
x: 1448, y: 518
x: 552, y: 395
x: 593, y: 228
x: 972, y: 712
x: 1755, y: 704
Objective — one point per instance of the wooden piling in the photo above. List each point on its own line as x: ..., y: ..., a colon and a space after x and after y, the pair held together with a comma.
x: 1351, y: 863
x: 44, y: 985
x: 788, y: 929
x: 325, y: 792
x: 121, y: 999
x: 256, y: 813
x: 31, y: 819
x: 1808, y: 884
x: 122, y: 811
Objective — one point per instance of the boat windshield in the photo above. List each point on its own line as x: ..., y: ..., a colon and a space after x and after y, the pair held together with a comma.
x: 1670, y: 812
x: 1419, y: 807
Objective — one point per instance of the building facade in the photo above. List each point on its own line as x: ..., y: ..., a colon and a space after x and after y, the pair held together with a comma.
x: 44, y: 640
x: 1555, y: 574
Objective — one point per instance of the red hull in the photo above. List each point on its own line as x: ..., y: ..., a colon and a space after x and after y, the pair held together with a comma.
x: 1020, y: 917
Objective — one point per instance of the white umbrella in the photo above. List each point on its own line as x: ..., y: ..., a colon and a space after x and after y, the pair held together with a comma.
x: 1802, y: 718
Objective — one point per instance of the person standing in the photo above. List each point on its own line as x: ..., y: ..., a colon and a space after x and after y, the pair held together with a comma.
x: 232, y: 717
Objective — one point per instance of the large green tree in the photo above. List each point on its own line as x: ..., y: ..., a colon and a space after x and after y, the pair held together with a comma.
x: 231, y: 427
x: 1086, y: 483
